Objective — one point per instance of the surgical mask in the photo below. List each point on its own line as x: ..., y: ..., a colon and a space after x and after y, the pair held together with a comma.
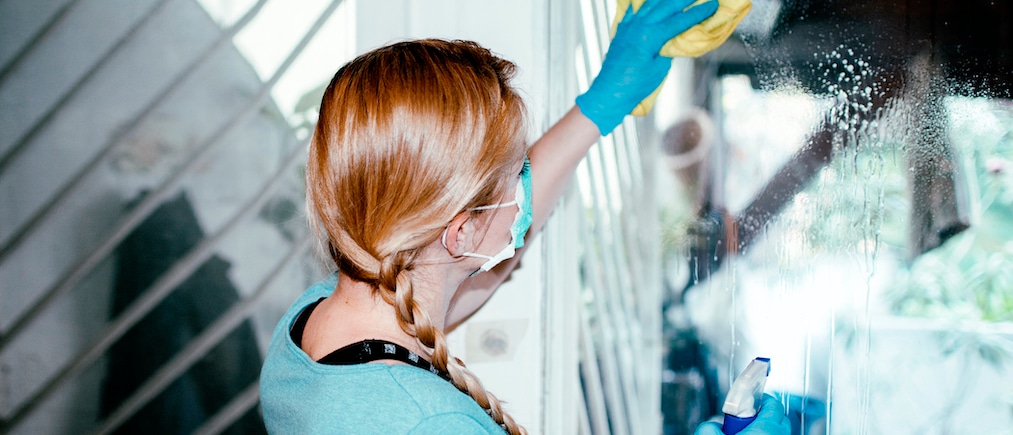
x: 520, y: 226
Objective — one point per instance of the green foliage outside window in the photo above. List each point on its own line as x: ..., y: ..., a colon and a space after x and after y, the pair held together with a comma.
x: 970, y: 278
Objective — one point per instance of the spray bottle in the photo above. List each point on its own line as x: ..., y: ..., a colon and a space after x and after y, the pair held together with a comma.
x: 743, y: 401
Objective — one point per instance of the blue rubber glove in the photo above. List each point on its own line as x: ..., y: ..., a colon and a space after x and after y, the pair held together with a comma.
x: 633, y: 66
x: 769, y: 421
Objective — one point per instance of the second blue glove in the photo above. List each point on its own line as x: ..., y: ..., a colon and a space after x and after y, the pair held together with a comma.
x: 769, y: 421
x: 633, y: 67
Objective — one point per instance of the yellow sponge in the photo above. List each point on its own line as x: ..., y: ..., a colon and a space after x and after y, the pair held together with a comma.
x: 699, y: 39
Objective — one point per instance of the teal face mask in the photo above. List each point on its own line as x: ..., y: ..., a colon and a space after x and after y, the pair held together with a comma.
x: 522, y: 221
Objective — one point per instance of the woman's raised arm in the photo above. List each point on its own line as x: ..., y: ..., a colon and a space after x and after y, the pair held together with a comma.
x: 633, y: 68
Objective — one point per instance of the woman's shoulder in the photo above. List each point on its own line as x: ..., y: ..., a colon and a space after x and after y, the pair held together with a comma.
x: 425, y: 387
x: 373, y: 398
x: 440, y: 407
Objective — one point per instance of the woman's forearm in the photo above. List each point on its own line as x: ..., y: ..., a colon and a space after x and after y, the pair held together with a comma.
x: 554, y: 158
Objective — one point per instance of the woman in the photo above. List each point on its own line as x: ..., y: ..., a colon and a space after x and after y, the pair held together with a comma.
x: 417, y: 181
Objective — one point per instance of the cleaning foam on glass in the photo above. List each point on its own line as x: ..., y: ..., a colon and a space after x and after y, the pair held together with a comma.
x: 743, y: 401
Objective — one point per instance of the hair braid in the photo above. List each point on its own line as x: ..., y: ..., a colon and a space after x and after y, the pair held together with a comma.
x: 416, y: 322
x: 467, y: 382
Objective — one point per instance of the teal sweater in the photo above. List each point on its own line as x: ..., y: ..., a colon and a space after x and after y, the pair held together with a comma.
x: 301, y: 396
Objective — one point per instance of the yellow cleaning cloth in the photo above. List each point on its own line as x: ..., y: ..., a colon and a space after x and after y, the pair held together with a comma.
x: 694, y: 42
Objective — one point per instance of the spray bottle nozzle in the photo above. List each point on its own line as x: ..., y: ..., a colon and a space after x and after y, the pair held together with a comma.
x: 744, y: 396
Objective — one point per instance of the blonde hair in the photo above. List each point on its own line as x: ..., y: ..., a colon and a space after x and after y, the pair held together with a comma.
x: 410, y: 135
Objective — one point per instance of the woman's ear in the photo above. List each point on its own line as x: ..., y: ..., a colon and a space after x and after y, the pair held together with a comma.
x: 459, y: 235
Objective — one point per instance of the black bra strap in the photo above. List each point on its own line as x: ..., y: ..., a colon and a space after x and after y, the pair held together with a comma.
x: 364, y: 351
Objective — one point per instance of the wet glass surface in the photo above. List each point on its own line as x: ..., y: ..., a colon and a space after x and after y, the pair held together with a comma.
x: 854, y: 218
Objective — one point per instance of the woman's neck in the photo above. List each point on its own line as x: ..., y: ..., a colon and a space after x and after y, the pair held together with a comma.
x: 356, y: 312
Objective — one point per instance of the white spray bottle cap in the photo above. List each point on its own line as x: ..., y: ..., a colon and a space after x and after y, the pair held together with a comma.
x: 743, y: 400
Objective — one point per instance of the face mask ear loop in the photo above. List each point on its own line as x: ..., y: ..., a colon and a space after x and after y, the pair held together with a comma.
x: 510, y: 249
x: 443, y: 240
x: 490, y: 207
